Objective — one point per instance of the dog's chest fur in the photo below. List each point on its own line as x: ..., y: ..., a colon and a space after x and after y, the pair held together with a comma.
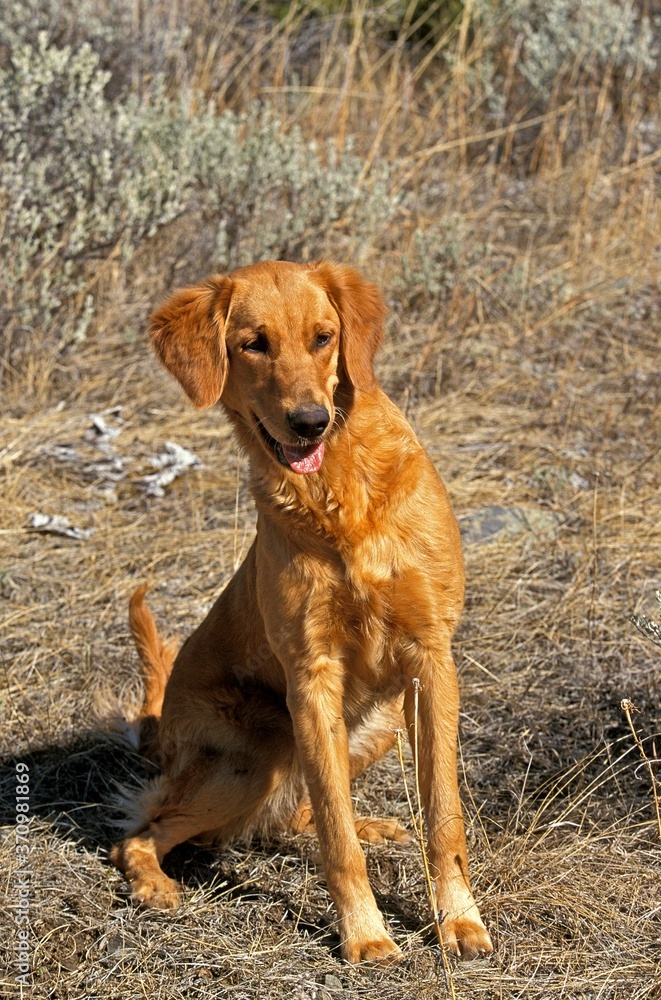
x: 380, y: 605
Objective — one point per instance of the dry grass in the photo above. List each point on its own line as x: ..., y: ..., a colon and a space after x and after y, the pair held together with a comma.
x: 532, y: 378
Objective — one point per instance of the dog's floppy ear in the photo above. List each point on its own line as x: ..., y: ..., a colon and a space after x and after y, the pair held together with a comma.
x: 361, y: 311
x: 188, y: 334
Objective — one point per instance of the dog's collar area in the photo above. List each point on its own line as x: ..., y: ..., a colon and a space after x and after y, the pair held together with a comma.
x: 303, y: 458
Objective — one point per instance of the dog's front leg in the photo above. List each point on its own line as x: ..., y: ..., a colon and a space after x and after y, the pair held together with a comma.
x: 432, y: 720
x: 314, y: 697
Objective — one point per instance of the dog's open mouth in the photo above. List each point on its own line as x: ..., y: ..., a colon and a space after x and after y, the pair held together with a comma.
x: 302, y: 458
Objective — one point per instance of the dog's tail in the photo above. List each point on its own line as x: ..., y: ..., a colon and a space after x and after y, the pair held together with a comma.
x: 156, y: 658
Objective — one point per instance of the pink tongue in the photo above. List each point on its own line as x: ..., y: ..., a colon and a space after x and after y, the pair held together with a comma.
x: 306, y: 459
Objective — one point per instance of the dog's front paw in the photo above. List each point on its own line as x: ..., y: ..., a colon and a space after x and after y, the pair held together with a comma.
x: 381, y: 949
x: 466, y: 936
x: 462, y: 929
x: 365, y: 938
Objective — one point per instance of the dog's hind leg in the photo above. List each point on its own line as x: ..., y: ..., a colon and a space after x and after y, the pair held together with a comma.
x: 219, y: 795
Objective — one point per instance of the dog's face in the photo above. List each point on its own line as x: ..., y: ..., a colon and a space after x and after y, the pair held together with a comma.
x: 282, y: 340
x: 273, y: 341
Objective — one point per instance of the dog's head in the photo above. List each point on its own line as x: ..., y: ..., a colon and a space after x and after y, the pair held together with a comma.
x: 274, y: 341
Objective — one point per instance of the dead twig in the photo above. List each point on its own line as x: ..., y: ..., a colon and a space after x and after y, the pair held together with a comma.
x: 628, y: 707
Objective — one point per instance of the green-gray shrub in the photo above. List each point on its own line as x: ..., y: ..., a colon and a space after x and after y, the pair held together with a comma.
x: 277, y: 194
x: 81, y: 174
x: 435, y: 259
x: 562, y: 40
x: 567, y: 36
x: 127, y: 37
x: 78, y: 174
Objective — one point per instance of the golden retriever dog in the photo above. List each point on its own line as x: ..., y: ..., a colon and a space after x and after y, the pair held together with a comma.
x: 302, y: 672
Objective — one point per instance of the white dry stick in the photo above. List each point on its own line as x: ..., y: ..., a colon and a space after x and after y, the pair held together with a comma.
x: 172, y: 462
x: 56, y: 525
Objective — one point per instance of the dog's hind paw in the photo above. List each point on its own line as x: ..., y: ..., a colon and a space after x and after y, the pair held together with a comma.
x: 378, y: 831
x: 156, y: 891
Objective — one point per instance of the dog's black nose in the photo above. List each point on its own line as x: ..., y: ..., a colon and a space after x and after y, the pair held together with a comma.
x: 309, y: 421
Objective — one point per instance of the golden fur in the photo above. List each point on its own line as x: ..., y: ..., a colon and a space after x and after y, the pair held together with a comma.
x: 299, y: 676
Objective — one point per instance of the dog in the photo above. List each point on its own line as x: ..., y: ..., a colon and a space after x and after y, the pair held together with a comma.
x: 303, y: 670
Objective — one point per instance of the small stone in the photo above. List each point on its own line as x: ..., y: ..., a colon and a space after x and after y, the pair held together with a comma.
x: 491, y: 523
x: 70, y: 963
x: 578, y: 482
x: 114, y: 943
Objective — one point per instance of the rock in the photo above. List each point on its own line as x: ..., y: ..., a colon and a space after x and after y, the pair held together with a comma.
x: 578, y: 482
x: 497, y: 523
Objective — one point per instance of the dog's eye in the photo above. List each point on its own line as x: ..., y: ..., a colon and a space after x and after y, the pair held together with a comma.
x: 258, y: 345
x: 322, y: 339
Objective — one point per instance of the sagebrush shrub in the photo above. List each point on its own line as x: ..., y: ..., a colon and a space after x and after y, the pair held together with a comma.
x: 562, y: 42
x: 277, y: 194
x: 570, y: 36
x: 81, y: 175
x: 127, y: 36
x: 437, y: 258
x: 78, y: 174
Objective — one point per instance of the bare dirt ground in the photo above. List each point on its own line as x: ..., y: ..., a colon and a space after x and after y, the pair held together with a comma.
x: 532, y: 377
